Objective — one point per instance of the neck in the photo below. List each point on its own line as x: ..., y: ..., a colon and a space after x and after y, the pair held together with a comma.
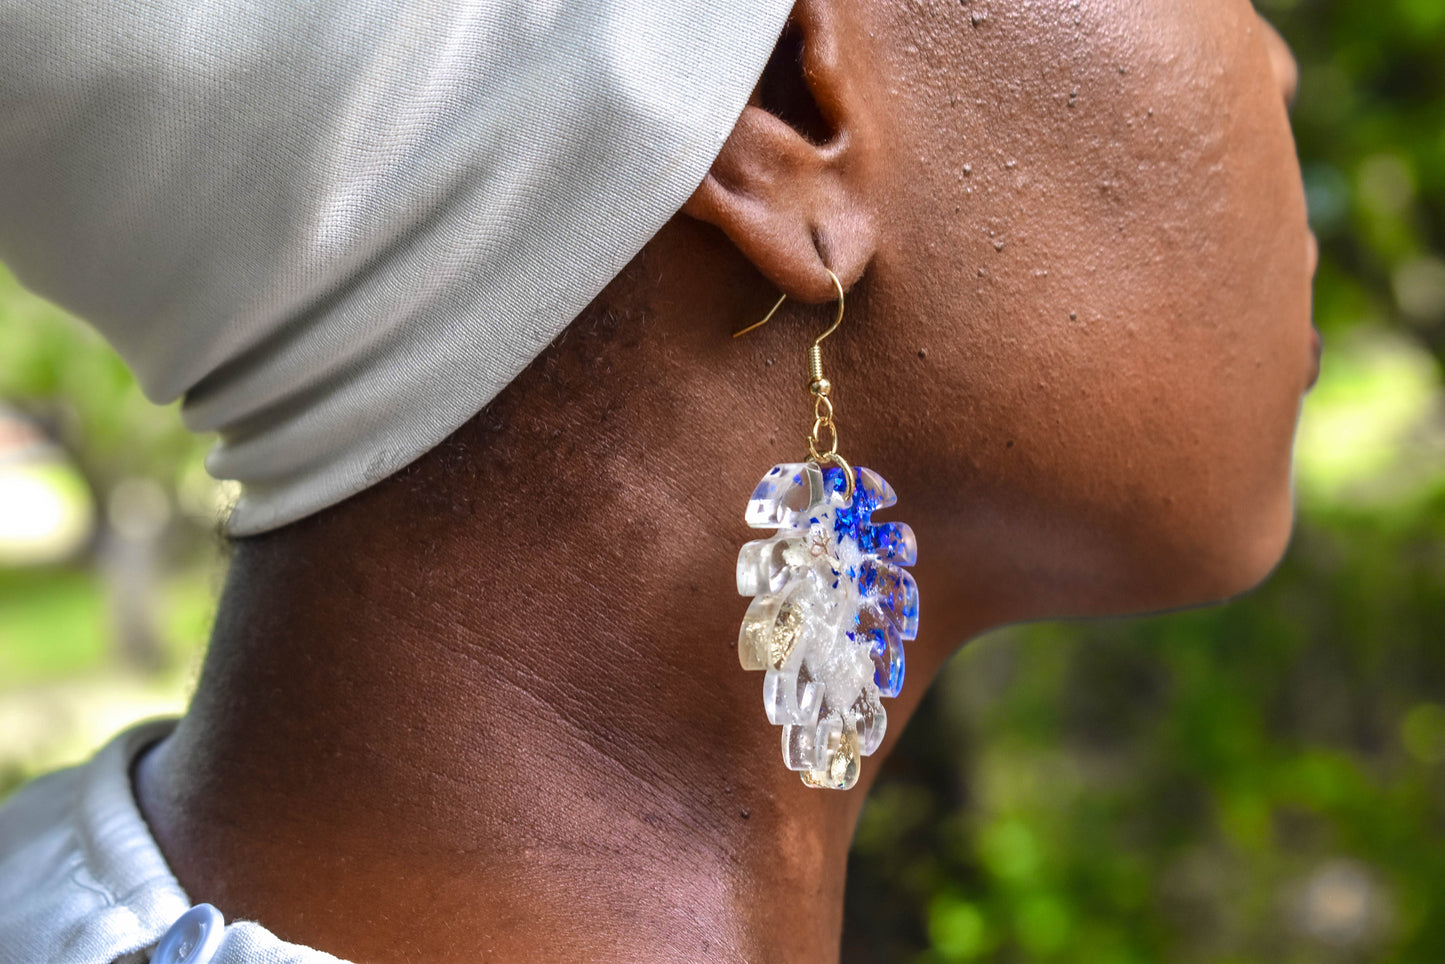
x: 546, y: 775
x: 491, y: 708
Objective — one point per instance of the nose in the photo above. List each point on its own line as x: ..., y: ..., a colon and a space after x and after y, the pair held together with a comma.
x: 1281, y: 62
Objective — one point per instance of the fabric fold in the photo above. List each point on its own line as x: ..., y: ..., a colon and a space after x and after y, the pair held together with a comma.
x: 337, y: 230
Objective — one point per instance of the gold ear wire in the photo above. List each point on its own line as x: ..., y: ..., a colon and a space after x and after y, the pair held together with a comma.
x: 766, y: 318
x: 838, y: 285
x: 820, y: 388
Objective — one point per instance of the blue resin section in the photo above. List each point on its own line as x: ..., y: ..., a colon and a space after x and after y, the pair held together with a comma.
x: 885, y: 547
x: 887, y: 662
x: 855, y: 520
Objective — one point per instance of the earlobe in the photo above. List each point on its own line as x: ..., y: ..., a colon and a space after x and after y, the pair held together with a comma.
x: 793, y: 207
x: 768, y: 192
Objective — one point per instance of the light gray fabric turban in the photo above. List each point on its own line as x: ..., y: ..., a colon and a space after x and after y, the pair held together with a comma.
x: 337, y: 228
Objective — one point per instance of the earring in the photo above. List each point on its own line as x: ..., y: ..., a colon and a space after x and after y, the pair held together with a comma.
x: 832, y: 603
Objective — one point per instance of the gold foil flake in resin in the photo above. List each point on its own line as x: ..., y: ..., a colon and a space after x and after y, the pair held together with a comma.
x: 841, y: 766
x: 785, y: 636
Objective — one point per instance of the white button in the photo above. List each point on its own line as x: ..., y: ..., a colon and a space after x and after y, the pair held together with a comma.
x: 193, y: 938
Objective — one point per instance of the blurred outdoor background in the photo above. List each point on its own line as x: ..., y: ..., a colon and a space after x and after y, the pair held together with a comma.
x: 1262, y: 782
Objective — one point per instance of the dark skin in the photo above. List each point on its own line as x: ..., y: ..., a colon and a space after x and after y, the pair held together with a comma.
x: 490, y: 708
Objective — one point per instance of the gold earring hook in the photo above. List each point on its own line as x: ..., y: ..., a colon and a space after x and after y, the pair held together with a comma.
x: 838, y: 285
x: 820, y: 388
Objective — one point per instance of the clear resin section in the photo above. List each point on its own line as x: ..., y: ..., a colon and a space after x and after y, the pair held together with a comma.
x: 832, y: 605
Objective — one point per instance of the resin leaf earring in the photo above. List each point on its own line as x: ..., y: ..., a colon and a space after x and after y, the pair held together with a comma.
x: 832, y: 603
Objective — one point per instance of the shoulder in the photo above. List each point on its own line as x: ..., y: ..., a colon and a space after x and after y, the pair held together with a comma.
x: 81, y: 878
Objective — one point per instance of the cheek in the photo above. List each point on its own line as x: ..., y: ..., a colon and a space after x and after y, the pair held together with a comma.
x: 1118, y: 299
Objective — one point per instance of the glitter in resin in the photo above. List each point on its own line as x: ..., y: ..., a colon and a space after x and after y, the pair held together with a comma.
x: 832, y: 605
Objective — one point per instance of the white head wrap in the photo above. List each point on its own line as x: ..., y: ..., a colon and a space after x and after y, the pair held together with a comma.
x: 337, y: 228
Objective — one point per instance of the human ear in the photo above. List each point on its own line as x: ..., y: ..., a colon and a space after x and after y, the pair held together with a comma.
x: 789, y: 188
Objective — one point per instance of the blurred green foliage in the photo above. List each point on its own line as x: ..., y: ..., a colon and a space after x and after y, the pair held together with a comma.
x: 67, y: 678
x: 1261, y: 782
x: 62, y: 374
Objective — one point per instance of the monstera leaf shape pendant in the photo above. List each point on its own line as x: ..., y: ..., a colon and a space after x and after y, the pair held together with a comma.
x: 832, y: 605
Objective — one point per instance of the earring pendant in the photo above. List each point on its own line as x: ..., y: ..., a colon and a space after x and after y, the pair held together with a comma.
x: 831, y: 608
